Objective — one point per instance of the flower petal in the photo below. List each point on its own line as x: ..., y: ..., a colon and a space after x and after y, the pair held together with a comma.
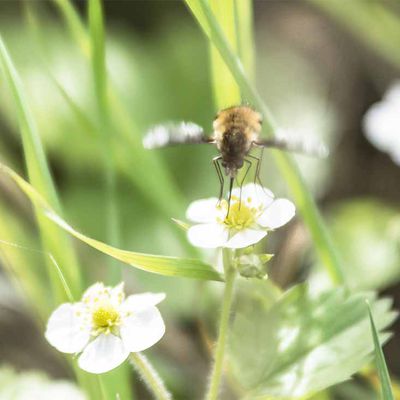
x: 245, y: 238
x: 117, y: 294
x: 95, y: 291
x: 208, y: 236
x: 204, y: 210
x: 66, y: 330
x: 254, y: 195
x: 139, y: 302
x: 105, y: 353
x: 142, y: 329
x: 280, y: 212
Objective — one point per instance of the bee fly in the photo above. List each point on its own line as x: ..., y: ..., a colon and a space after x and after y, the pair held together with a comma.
x: 236, y: 130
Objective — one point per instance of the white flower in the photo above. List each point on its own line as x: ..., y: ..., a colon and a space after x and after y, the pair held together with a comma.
x: 382, y: 123
x: 35, y: 385
x: 105, y: 327
x: 248, y: 221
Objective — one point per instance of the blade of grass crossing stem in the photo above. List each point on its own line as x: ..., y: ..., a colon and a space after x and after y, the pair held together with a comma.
x: 163, y: 265
x: 228, y: 93
x: 99, y: 70
x: 285, y: 162
x: 383, y: 372
x: 54, y: 241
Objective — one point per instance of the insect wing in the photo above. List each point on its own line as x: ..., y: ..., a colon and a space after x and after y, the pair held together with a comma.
x: 282, y: 142
x: 173, y: 134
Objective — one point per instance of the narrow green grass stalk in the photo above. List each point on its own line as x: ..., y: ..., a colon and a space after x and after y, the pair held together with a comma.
x: 245, y: 36
x: 150, y: 376
x: 98, y: 59
x: 304, y: 201
x: 217, y: 369
x: 62, y: 279
x: 384, y: 377
x: 74, y: 24
x: 54, y: 241
x: 229, y: 93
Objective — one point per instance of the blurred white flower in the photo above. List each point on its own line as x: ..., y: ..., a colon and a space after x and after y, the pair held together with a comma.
x: 248, y: 221
x: 106, y: 327
x: 382, y: 123
x: 35, y: 385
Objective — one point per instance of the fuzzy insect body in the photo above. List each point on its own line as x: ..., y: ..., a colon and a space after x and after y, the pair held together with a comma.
x: 236, y: 130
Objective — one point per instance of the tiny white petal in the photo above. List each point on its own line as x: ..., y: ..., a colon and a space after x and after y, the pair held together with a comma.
x: 245, y: 238
x: 105, y: 353
x: 203, y: 211
x: 254, y: 195
x: 95, y: 290
x: 139, y: 302
x: 142, y: 329
x: 280, y: 212
x: 117, y: 294
x: 65, y: 329
x: 208, y: 236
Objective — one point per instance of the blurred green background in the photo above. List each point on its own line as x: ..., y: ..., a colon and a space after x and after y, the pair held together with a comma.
x: 319, y: 78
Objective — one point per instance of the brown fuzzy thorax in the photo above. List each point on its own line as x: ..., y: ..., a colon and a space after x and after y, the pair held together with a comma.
x: 235, y: 130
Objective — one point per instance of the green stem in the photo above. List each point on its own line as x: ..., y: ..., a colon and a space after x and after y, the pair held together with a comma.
x: 150, y: 376
x: 216, y: 372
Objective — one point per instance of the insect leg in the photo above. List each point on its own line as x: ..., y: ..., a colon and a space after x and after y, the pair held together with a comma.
x: 220, y: 176
x: 258, y: 166
x: 244, y: 177
x: 230, y: 194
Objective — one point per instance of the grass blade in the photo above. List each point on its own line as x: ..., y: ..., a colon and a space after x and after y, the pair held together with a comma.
x: 54, y: 241
x: 99, y: 71
x: 229, y: 92
x: 285, y: 162
x: 245, y: 35
x: 383, y: 372
x: 75, y: 24
x: 163, y: 265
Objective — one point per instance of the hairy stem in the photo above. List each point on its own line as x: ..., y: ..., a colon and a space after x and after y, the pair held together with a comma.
x: 150, y: 376
x: 216, y: 372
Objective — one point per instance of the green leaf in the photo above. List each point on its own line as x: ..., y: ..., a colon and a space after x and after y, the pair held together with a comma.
x: 304, y: 342
x: 383, y: 372
x: 53, y: 240
x: 289, y: 169
x: 168, y: 266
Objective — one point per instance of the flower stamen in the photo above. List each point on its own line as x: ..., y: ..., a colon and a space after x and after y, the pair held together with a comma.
x: 240, y: 216
x: 105, y: 318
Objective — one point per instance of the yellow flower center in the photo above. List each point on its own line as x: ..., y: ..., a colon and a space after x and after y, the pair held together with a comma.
x: 240, y: 216
x: 104, y: 318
